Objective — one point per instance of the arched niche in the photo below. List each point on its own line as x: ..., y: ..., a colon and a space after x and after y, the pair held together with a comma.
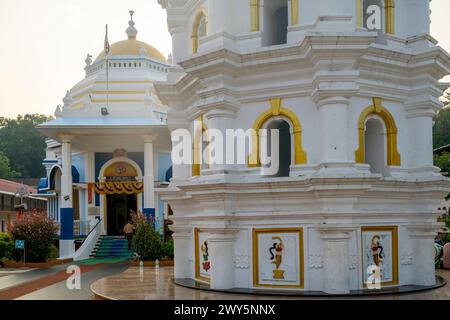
x: 199, y: 29
x: 276, y: 110
x: 392, y: 155
x: 255, y: 12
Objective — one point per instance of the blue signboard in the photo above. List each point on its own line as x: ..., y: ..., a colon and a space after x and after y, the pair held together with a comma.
x: 20, y: 244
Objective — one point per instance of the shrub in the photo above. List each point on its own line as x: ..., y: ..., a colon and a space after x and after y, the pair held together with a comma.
x: 169, y: 250
x: 6, y: 246
x: 147, y: 242
x: 53, y: 253
x: 38, y: 231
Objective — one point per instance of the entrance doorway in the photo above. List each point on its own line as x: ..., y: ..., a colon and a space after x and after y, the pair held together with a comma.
x: 118, y: 208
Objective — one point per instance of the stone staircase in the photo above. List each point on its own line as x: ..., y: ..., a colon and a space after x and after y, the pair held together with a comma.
x: 111, y: 247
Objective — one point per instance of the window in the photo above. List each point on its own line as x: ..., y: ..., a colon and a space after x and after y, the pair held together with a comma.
x: 377, y: 138
x: 283, y: 160
x: 199, y: 29
x: 375, y: 153
x: 275, y: 21
x: 276, y: 118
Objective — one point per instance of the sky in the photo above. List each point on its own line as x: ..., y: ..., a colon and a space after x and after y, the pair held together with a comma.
x: 43, y: 44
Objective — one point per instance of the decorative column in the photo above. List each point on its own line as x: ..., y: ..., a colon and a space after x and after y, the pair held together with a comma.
x: 181, y: 171
x: 420, y: 133
x: 221, y: 250
x: 220, y: 25
x: 219, y: 121
x: 179, y: 35
x: 149, y: 187
x: 336, y: 277
x: 66, y: 242
x: 422, y: 240
x: 333, y: 113
x: 182, y: 252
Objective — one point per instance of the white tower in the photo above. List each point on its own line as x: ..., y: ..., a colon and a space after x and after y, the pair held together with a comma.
x: 352, y: 87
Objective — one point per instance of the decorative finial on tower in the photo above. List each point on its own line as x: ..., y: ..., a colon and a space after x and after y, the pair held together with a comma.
x: 88, y: 60
x: 67, y: 99
x: 58, y: 111
x: 131, y: 31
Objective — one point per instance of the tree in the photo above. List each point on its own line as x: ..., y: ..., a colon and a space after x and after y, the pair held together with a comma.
x: 441, y: 130
x: 23, y: 144
x: 443, y: 161
x: 5, y: 168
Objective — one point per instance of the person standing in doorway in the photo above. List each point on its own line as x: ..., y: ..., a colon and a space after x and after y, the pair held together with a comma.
x: 129, y: 232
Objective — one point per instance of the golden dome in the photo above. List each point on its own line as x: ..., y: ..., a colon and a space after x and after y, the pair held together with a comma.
x: 133, y: 47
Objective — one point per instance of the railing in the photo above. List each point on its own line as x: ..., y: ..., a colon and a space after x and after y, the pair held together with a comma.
x: 81, y: 228
x: 98, y: 220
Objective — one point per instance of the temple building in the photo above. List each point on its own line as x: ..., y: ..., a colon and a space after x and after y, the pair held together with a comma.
x: 109, y: 146
x: 352, y: 87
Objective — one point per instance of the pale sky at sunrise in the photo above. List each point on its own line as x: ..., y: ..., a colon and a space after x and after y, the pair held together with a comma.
x: 43, y: 44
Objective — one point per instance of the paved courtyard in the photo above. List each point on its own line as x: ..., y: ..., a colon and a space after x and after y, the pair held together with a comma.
x: 153, y: 284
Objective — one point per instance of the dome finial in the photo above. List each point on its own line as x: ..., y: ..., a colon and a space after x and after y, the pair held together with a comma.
x: 131, y: 31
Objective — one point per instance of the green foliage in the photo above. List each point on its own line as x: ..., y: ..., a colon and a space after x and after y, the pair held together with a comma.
x: 39, y: 232
x: 6, y: 246
x: 23, y: 144
x: 147, y: 242
x: 169, y: 248
x: 53, y: 253
x: 442, y: 161
x: 441, y: 129
x: 6, y: 172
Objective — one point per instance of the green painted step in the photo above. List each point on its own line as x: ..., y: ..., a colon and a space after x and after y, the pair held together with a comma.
x: 112, y: 247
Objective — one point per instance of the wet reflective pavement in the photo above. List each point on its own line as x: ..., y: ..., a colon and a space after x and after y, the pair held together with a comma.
x: 152, y: 284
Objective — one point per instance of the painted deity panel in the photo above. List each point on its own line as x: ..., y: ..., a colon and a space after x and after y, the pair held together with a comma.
x: 278, y: 257
x: 202, y: 257
x: 379, y: 254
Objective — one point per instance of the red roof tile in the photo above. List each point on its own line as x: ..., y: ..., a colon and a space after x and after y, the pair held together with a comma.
x: 12, y: 187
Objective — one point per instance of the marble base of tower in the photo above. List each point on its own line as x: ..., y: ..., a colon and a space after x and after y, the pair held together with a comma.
x: 328, y: 225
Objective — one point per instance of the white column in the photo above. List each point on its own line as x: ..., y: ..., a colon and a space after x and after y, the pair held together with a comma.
x: 336, y: 277
x: 221, y: 249
x: 149, y: 187
x: 220, y: 25
x: 217, y: 122
x: 333, y: 113
x: 66, y: 243
x: 179, y: 41
x: 182, y: 254
x: 422, y: 240
x: 420, y: 132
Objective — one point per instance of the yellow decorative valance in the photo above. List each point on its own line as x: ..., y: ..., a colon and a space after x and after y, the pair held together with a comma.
x: 131, y: 187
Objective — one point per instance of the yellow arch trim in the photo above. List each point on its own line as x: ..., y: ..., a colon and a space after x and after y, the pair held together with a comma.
x: 277, y: 110
x: 359, y: 13
x: 197, y: 147
x: 393, y: 156
x: 390, y: 16
x: 195, y: 25
x: 255, y: 6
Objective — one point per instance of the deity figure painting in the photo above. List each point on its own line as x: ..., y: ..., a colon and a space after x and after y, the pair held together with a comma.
x: 206, y: 264
x: 276, y: 257
x: 377, y: 250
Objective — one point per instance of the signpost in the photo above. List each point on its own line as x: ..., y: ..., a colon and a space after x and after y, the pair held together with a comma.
x: 20, y: 245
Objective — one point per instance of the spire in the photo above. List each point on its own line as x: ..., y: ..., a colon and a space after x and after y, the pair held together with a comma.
x: 107, y: 46
x: 67, y: 99
x: 131, y: 31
